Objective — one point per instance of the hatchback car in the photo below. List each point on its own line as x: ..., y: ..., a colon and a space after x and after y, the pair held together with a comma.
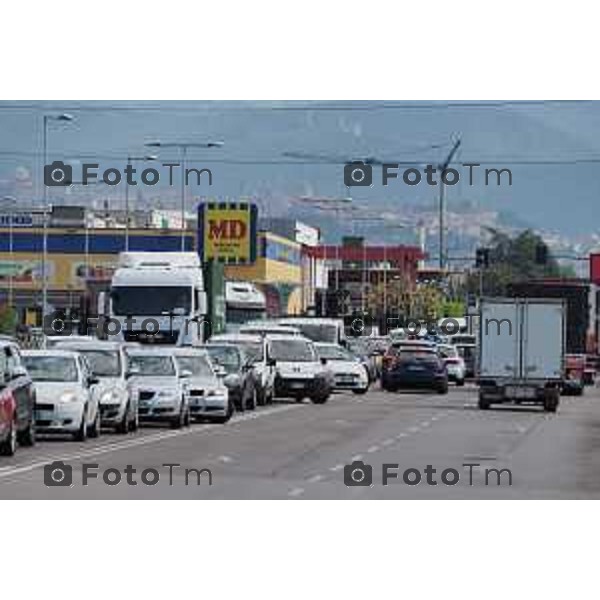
x: 414, y: 364
x: 19, y: 384
x: 108, y: 362
x: 8, y: 414
x: 160, y: 386
x: 208, y: 395
x: 349, y: 373
x: 65, y: 402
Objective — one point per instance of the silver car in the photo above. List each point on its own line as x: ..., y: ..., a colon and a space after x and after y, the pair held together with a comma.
x: 159, y: 385
x: 208, y: 395
x: 108, y: 362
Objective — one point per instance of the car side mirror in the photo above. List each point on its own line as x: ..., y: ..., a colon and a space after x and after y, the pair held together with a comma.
x: 185, y: 373
x: 132, y: 372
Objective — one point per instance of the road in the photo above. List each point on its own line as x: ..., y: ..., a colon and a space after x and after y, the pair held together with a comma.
x: 298, y: 451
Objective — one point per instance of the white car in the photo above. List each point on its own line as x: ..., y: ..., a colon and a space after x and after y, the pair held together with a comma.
x: 208, y: 395
x: 65, y: 402
x: 159, y: 385
x: 300, y: 373
x: 108, y: 362
x: 455, y: 364
x: 349, y: 373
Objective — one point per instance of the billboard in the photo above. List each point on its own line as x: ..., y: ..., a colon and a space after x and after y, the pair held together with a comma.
x: 227, y: 232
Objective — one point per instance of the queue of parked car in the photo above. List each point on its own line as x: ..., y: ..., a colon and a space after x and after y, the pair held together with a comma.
x: 80, y: 386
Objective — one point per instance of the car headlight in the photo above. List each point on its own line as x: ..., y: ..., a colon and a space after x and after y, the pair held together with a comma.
x: 68, y: 397
x: 111, y: 396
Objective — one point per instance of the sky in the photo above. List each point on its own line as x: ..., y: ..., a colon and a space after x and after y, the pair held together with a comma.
x: 560, y: 193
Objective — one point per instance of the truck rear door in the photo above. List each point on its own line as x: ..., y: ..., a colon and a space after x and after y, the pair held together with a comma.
x: 499, y: 339
x: 543, y: 343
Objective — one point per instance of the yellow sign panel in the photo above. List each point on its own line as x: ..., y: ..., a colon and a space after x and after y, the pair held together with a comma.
x: 228, y: 232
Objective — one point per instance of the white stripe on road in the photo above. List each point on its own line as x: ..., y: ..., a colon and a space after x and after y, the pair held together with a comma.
x: 315, y: 478
x: 141, y: 441
x: 296, y: 492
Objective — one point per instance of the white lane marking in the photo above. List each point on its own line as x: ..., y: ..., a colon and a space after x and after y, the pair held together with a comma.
x: 315, y: 478
x: 425, y: 424
x: 225, y: 459
x: 388, y: 442
x: 296, y: 492
x: 141, y: 441
x: 372, y: 449
x: 336, y: 468
x: 401, y: 435
x: 356, y: 457
x: 413, y: 429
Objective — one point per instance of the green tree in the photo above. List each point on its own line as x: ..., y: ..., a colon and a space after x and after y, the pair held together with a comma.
x: 8, y: 320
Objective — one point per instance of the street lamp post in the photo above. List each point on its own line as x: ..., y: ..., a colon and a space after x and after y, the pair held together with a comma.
x: 130, y: 160
x: 65, y: 117
x: 183, y: 148
x: 442, y: 209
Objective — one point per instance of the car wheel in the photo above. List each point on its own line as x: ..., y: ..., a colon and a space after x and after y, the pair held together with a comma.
x: 94, y: 430
x: 179, y: 421
x: 484, y: 403
x: 123, y: 426
x: 360, y: 392
x: 187, y: 419
x: 442, y: 389
x: 551, y: 401
x: 321, y: 399
x: 253, y: 400
x: 460, y: 382
x: 81, y: 434
x: 134, y: 423
x: 9, y: 446
x: 27, y: 437
x: 262, y: 398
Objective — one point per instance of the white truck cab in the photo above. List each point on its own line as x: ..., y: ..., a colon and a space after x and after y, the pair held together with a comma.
x: 158, y: 298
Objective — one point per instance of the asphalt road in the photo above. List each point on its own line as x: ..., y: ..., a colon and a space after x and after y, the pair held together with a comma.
x: 298, y: 451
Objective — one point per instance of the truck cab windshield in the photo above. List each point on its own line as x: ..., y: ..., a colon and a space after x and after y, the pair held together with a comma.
x: 155, y: 300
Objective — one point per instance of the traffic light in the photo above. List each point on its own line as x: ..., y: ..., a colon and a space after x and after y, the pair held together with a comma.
x: 482, y: 257
x: 541, y: 254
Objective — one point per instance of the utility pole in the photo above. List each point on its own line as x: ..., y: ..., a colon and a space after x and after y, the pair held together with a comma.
x: 442, y: 209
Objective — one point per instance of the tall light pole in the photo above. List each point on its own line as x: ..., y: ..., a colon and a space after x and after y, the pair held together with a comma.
x: 393, y: 226
x: 65, y: 118
x: 183, y: 148
x: 442, y: 209
x: 130, y: 160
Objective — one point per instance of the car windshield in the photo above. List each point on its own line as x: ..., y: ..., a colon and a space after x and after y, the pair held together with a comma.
x: 254, y: 350
x: 197, y: 365
x: 448, y: 351
x: 51, y: 368
x: 292, y: 350
x: 152, y: 366
x: 226, y: 356
x: 103, y: 363
x: 334, y: 353
x: 134, y: 300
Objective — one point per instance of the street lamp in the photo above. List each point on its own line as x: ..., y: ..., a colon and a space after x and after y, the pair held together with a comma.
x: 130, y: 160
x: 183, y: 148
x: 62, y: 118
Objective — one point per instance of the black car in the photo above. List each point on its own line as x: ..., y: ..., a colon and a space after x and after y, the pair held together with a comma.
x: 414, y: 365
x: 21, y: 386
x: 236, y: 367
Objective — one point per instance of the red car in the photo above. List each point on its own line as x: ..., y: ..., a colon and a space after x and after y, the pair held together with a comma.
x: 8, y: 414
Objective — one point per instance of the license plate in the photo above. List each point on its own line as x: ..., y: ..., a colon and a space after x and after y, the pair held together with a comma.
x: 521, y: 393
x: 296, y: 385
x: 415, y: 368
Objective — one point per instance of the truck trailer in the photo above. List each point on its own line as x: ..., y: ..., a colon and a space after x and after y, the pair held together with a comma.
x: 521, y: 351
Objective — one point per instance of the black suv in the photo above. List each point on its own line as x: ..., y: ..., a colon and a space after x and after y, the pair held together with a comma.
x: 19, y: 382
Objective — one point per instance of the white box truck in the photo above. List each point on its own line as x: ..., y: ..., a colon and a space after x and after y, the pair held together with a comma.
x: 521, y: 351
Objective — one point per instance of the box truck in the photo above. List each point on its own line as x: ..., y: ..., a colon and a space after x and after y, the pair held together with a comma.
x: 521, y: 351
